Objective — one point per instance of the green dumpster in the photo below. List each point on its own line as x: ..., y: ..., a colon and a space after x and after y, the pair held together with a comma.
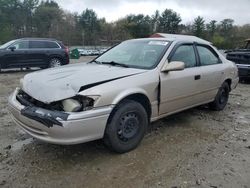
x: 74, y: 54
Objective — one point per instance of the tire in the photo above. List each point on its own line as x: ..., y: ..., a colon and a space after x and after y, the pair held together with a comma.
x: 221, y: 98
x: 126, y: 127
x: 55, y: 62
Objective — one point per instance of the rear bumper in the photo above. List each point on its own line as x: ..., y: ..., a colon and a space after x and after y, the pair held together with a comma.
x: 78, y: 128
x: 243, y: 70
x: 66, y: 60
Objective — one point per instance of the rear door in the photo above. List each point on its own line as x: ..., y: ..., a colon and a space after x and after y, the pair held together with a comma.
x: 16, y: 57
x: 41, y: 51
x: 37, y: 53
x: 181, y: 89
x: 212, y: 71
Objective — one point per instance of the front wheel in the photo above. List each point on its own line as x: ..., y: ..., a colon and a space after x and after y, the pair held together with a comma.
x: 55, y: 62
x: 221, y: 98
x: 126, y: 127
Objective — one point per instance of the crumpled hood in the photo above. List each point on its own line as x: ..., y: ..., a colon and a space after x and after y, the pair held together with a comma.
x: 64, y: 82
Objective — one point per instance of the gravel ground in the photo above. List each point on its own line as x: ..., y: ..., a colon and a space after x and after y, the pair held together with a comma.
x: 195, y: 148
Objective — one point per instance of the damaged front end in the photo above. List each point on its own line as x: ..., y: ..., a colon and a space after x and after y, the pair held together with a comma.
x: 46, y: 117
x: 55, y: 112
x: 46, y: 114
x: 70, y: 121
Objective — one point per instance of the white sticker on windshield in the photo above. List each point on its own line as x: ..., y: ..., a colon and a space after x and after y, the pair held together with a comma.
x: 163, y: 43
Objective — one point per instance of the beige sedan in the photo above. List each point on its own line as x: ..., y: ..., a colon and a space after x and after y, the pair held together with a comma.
x: 118, y: 94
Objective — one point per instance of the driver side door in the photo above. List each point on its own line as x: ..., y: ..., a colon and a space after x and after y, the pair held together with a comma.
x: 16, y: 57
x: 181, y: 89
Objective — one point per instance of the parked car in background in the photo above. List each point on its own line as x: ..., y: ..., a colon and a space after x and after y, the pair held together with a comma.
x: 103, y: 50
x: 119, y: 93
x: 95, y: 52
x: 33, y: 52
x: 84, y: 52
x: 241, y: 57
x: 81, y: 51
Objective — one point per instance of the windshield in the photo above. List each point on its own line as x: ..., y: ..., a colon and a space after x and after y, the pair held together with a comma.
x: 143, y: 54
x: 7, y: 44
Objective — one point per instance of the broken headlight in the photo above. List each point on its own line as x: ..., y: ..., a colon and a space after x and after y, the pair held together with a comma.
x: 78, y: 104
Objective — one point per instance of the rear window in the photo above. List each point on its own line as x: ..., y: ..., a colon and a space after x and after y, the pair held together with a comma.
x: 43, y: 44
x: 51, y: 44
x: 207, y: 56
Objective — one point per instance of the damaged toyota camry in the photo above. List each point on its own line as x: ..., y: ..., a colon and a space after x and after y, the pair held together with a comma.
x: 116, y: 96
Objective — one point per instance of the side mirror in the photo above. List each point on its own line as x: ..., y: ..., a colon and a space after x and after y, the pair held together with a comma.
x: 12, y: 48
x: 173, y: 66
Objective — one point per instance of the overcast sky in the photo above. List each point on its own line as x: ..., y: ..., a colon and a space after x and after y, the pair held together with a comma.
x: 239, y: 10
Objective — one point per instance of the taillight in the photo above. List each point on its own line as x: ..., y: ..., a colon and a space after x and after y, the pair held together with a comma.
x: 67, y: 50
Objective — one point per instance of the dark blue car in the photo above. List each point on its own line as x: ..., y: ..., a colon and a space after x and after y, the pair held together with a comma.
x: 33, y: 52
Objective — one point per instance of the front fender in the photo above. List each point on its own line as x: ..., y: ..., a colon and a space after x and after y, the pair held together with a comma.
x: 113, y: 92
x: 127, y: 93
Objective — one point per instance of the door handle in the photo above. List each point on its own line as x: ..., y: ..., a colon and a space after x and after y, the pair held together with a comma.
x: 197, y: 77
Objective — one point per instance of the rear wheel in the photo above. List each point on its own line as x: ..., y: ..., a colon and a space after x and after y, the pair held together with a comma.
x: 55, y: 62
x: 221, y: 98
x: 127, y: 127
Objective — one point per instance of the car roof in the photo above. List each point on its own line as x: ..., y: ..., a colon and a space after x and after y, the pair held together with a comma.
x: 47, y: 39
x: 178, y: 38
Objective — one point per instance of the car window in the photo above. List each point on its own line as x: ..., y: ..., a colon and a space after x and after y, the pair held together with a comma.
x: 37, y: 44
x: 186, y: 54
x: 49, y: 44
x: 207, y: 56
x: 21, y: 45
x: 7, y: 44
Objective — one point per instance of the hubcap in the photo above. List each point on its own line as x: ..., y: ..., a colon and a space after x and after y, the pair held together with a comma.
x: 128, y: 126
x: 55, y: 63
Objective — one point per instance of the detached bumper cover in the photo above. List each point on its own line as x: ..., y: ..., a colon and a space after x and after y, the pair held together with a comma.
x: 46, y: 117
x: 59, y: 127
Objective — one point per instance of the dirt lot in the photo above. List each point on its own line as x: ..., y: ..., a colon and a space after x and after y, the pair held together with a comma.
x: 195, y: 148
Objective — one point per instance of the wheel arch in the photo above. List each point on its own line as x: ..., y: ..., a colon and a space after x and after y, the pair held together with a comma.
x: 55, y: 56
x: 229, y: 82
x: 139, y: 96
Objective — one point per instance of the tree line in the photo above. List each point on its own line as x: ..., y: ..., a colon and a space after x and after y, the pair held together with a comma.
x: 34, y: 18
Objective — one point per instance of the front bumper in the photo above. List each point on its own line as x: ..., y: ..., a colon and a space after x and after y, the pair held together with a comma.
x: 243, y: 70
x: 79, y: 127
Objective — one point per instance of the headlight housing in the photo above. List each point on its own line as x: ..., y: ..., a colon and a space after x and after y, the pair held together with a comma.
x: 79, y: 103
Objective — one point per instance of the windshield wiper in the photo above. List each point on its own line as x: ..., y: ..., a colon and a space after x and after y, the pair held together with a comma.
x: 114, y: 64
x: 94, y: 61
